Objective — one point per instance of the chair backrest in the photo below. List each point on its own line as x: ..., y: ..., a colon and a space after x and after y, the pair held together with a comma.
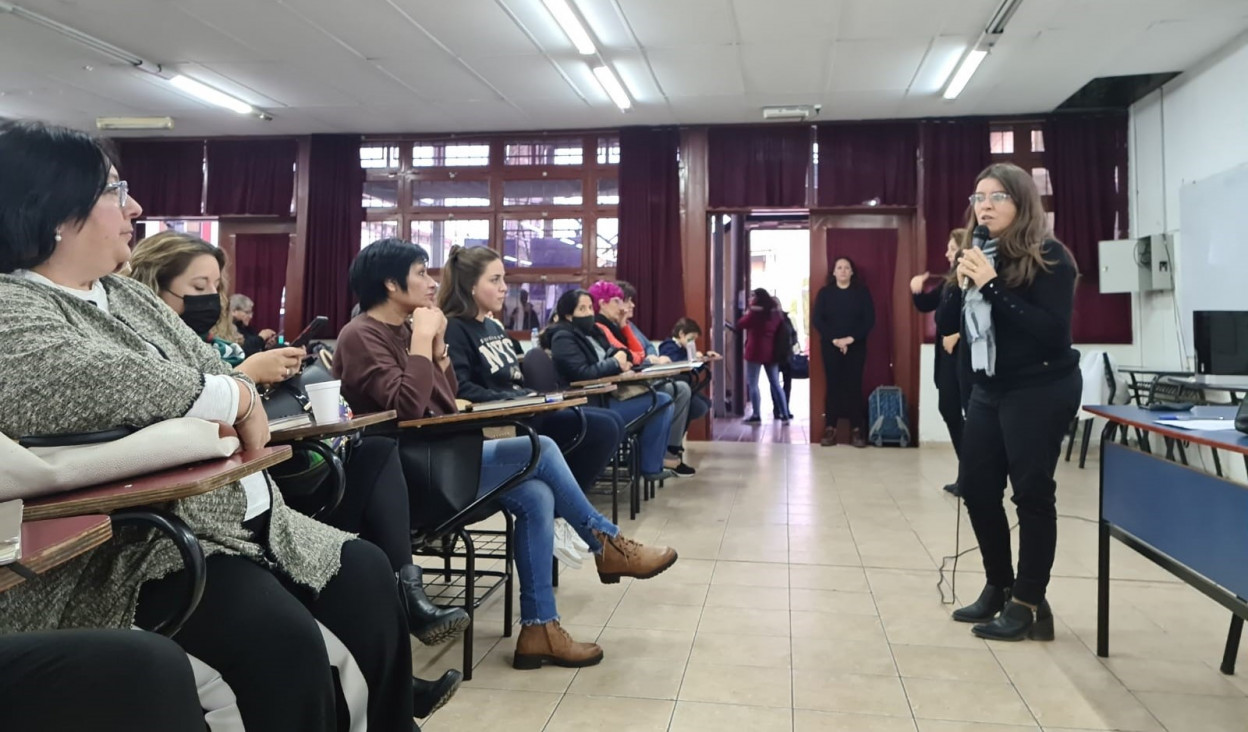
x: 1164, y: 391
x: 539, y: 371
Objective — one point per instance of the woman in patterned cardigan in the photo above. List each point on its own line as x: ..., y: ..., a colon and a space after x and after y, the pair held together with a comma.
x: 86, y: 350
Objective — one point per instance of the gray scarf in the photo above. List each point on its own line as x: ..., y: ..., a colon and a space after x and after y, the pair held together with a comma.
x: 977, y: 314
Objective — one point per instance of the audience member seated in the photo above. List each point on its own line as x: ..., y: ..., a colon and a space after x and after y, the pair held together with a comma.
x: 375, y: 504
x: 394, y: 356
x: 487, y: 367
x: 242, y: 309
x: 86, y: 350
x: 678, y: 348
x: 581, y: 353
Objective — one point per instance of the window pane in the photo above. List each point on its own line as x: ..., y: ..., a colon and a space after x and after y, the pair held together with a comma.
x: 1001, y: 142
x: 372, y: 231
x: 542, y: 243
x: 437, y: 237
x: 450, y: 193
x: 1041, y: 177
x: 205, y: 229
x: 444, y: 154
x: 608, y: 192
x: 608, y: 241
x: 608, y: 151
x: 542, y: 192
x: 1037, y: 140
x: 381, y: 193
x: 529, y: 305
x: 379, y: 156
x: 544, y: 152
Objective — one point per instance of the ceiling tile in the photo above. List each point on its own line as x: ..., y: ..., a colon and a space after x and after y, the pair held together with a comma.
x: 532, y: 76
x: 435, y: 76
x: 879, y: 19
x: 680, y: 23
x: 795, y: 67
x: 698, y: 70
x: 787, y: 21
x: 874, y: 65
x: 468, y: 27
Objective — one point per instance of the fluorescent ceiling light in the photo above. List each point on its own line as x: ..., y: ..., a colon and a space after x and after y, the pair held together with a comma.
x: 612, y: 86
x: 964, y: 73
x: 206, y: 93
x: 134, y: 123
x: 571, y: 26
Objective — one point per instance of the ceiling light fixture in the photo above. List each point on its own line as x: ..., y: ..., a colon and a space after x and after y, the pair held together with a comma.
x: 81, y: 38
x: 571, y: 25
x: 796, y: 113
x: 979, y: 50
x: 134, y: 123
x: 965, y: 71
x: 612, y: 86
x: 205, y: 93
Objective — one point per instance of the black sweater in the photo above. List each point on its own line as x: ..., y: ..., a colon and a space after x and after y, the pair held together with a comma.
x: 1032, y: 324
x: 839, y: 313
x: 485, y: 362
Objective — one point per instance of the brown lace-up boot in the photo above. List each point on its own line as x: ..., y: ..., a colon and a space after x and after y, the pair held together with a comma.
x: 550, y: 643
x: 829, y: 437
x: 622, y: 557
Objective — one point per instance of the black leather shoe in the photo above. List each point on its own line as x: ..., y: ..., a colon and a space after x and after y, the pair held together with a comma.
x: 429, y: 696
x: 1017, y: 622
x: 990, y: 602
x: 684, y: 470
x: 429, y: 623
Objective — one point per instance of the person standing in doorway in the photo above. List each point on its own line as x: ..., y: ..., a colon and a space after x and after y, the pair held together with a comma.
x: 844, y: 316
x: 786, y: 346
x: 760, y: 323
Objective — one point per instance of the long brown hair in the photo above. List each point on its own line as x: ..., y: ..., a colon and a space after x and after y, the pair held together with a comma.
x: 963, y: 238
x: 159, y: 259
x: 1020, y: 246
x: 464, y: 266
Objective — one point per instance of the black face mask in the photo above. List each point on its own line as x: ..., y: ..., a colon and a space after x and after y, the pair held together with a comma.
x: 584, y: 324
x: 201, y: 312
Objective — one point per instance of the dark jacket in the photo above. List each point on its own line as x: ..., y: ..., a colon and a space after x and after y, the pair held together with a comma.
x: 946, y: 302
x: 839, y: 313
x: 673, y: 350
x: 252, y: 342
x: 485, y: 362
x: 576, y: 358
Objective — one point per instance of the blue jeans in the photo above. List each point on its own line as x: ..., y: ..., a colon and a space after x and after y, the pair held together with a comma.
x: 653, y: 442
x: 773, y: 380
x: 550, y: 492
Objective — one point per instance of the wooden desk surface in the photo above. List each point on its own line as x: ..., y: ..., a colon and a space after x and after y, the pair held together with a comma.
x: 169, y: 485
x: 490, y: 416
x: 316, y: 431
x: 633, y: 376
x: 1143, y: 419
x: 50, y: 543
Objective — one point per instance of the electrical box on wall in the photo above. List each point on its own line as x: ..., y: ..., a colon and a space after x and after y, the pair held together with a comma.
x: 1137, y: 265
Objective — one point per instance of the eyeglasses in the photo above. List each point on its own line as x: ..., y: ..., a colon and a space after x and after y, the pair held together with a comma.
x: 995, y: 197
x: 122, y: 189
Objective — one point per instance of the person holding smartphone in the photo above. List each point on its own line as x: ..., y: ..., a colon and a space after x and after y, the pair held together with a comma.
x: 1016, y: 327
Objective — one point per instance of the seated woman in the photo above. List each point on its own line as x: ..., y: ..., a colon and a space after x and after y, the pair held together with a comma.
x: 487, y: 369
x: 242, y: 310
x: 184, y: 271
x: 394, y: 356
x: 85, y: 351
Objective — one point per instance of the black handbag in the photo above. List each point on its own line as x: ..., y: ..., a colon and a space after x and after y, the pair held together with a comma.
x: 290, y: 397
x: 443, y: 474
x: 799, y: 366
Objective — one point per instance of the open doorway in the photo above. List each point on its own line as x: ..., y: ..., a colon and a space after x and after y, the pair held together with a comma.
x: 780, y: 264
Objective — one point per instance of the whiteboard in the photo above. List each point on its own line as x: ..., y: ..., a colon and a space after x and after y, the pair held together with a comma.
x: 1212, y: 264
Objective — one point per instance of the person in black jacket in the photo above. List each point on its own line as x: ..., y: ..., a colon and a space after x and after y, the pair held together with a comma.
x: 952, y: 374
x: 580, y: 352
x: 241, y: 311
x: 487, y: 368
x: 844, y: 315
x: 1016, y: 329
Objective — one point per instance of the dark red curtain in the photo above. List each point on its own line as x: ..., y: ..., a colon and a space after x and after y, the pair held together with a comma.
x: 260, y: 273
x: 1086, y: 156
x: 166, y: 177
x: 649, y: 249
x: 861, y: 161
x: 759, y: 167
x: 334, y: 216
x: 874, y: 254
x: 250, y: 177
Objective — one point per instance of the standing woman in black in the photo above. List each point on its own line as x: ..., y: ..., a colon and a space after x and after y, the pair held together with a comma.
x: 952, y: 384
x: 1016, y: 318
x: 844, y: 315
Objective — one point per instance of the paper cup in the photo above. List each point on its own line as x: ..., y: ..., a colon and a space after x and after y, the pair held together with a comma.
x: 324, y: 398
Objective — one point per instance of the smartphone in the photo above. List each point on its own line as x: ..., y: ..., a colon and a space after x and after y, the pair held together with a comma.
x: 316, y: 326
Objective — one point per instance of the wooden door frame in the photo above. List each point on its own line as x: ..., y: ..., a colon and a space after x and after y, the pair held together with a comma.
x: 229, y: 228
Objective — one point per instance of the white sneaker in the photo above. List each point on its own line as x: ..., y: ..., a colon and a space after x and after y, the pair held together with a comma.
x: 566, y: 549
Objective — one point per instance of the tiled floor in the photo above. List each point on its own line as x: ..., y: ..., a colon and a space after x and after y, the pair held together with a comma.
x: 805, y: 599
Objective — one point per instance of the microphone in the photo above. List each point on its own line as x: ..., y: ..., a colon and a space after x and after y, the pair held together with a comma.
x: 979, y: 237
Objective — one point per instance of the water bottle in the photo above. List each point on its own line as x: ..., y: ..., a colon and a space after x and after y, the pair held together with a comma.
x: 691, y: 350
x: 533, y: 336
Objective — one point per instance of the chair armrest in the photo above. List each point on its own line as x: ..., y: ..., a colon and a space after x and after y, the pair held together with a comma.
x: 188, y: 546
x: 337, y: 479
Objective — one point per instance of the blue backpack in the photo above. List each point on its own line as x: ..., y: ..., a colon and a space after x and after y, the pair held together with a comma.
x: 887, y: 421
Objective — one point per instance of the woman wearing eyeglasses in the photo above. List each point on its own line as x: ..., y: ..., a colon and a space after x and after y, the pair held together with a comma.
x: 1016, y: 317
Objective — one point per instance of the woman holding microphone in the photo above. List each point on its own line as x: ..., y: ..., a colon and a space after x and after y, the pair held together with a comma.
x: 1016, y: 318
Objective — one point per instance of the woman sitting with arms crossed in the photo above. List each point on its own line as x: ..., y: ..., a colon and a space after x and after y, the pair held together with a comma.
x: 487, y: 369
x: 85, y: 351
x: 394, y: 356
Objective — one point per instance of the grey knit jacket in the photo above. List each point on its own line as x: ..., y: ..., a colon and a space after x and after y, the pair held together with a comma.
x: 66, y: 367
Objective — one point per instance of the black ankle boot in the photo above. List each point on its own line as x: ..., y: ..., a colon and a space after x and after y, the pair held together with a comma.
x: 429, y: 696
x: 429, y: 623
x: 1017, y: 622
x: 990, y: 602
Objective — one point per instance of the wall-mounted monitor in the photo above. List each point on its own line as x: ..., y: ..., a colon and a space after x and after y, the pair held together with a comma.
x: 1221, y: 340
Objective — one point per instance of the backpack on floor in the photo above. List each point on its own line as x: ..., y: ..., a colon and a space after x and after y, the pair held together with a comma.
x: 887, y: 419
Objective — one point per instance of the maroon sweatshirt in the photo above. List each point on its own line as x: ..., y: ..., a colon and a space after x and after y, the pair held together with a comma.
x: 379, y: 374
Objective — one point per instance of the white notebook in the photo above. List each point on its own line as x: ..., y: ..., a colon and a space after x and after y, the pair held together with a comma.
x: 10, y: 531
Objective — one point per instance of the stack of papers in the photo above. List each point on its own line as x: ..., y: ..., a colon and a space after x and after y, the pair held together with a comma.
x: 1198, y: 425
x: 10, y: 531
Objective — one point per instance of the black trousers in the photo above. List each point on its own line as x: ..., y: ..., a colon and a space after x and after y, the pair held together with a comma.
x: 842, y: 374
x: 953, y: 396
x: 1016, y: 434
x: 101, y: 680
x: 786, y: 379
x: 261, y: 633
x: 605, y: 432
x: 375, y: 504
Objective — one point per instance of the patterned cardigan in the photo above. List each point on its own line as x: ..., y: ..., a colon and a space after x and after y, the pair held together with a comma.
x: 66, y: 367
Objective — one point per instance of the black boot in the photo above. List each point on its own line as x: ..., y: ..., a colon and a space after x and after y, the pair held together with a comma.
x: 990, y: 602
x: 429, y: 696
x: 428, y: 622
x: 1017, y: 622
